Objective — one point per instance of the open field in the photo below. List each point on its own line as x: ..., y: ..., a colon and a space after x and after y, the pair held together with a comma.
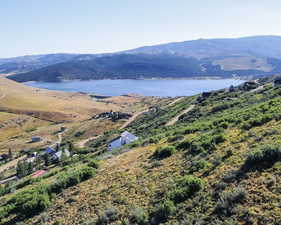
x: 55, y: 105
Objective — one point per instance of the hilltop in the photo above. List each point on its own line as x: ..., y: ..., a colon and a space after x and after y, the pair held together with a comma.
x: 243, y: 57
x: 213, y: 158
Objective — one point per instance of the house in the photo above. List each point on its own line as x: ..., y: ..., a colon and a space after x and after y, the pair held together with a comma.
x: 57, y: 156
x: 277, y: 82
x: 49, y: 151
x: 36, y: 139
x: 123, y: 139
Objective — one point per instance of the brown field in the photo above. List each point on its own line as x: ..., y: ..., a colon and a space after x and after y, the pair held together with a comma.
x: 27, y: 112
x: 55, y: 105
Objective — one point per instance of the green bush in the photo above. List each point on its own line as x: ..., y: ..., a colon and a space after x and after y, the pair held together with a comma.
x: 164, y: 152
x: 263, y: 158
x: 32, y: 201
x: 72, y: 178
x: 202, y: 143
x: 198, y: 165
x: 138, y: 216
x: 175, y: 138
x: 94, y: 164
x: 5, y: 210
x: 108, y: 216
x: 185, y: 188
x: 163, y: 211
x: 228, y: 201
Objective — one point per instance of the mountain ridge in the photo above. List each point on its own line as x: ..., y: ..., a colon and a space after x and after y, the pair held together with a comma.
x: 248, y: 56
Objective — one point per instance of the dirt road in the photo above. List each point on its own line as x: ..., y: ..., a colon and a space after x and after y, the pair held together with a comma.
x: 11, y: 164
x: 176, y: 118
x: 82, y: 143
x: 129, y: 121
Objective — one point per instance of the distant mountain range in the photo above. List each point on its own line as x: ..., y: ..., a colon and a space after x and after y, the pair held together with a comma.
x: 249, y: 56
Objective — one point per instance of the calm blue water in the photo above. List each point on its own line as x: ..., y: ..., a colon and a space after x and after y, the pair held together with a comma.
x: 161, y: 88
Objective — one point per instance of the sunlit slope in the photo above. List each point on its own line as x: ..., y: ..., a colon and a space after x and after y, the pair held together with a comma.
x: 51, y: 105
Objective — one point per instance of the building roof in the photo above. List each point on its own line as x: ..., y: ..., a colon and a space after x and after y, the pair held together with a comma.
x: 38, y: 173
x: 49, y: 150
x: 59, y: 153
x: 127, y: 135
x: 125, y: 138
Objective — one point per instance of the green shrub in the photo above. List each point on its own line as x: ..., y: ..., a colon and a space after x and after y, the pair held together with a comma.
x: 108, y: 216
x: 32, y: 201
x: 164, y: 152
x: 186, y: 188
x: 175, y: 138
x: 184, y: 145
x: 94, y: 164
x: 198, y: 165
x: 263, y: 158
x: 138, y: 216
x: 72, y: 178
x: 163, y: 211
x: 228, y: 201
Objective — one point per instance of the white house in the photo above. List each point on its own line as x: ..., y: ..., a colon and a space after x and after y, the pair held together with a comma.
x: 123, y: 139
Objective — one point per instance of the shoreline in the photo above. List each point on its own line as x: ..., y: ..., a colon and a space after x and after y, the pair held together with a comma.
x: 153, y: 78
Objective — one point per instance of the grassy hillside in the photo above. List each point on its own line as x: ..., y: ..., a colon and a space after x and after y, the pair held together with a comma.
x: 27, y: 112
x: 219, y: 164
x: 55, y: 105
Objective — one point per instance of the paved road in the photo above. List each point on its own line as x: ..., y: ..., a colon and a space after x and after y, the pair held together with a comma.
x: 176, y: 118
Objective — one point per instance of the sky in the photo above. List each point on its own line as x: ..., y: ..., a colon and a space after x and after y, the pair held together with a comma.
x: 98, y: 26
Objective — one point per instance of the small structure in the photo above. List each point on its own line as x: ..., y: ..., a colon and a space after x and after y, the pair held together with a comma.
x: 57, y: 156
x: 38, y: 173
x: 277, y: 82
x: 49, y: 151
x: 36, y: 139
x: 123, y: 139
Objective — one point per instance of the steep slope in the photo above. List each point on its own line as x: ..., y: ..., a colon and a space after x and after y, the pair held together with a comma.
x: 218, y: 164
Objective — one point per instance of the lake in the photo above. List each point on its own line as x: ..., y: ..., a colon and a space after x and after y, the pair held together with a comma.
x: 160, y: 88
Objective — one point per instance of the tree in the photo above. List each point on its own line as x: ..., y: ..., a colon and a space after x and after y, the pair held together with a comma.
x: 70, y: 147
x: 10, y: 154
x: 24, y: 168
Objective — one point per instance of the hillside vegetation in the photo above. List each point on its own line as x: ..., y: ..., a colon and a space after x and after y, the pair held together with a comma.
x: 218, y: 164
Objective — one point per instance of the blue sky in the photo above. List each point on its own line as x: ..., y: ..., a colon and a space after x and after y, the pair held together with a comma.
x: 95, y: 26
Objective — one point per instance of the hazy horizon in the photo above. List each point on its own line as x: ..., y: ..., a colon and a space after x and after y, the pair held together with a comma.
x: 90, y: 27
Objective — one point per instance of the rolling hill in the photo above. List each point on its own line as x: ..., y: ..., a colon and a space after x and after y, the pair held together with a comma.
x: 250, y: 56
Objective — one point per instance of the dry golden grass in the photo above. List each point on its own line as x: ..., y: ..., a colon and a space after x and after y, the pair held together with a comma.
x: 55, y: 105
